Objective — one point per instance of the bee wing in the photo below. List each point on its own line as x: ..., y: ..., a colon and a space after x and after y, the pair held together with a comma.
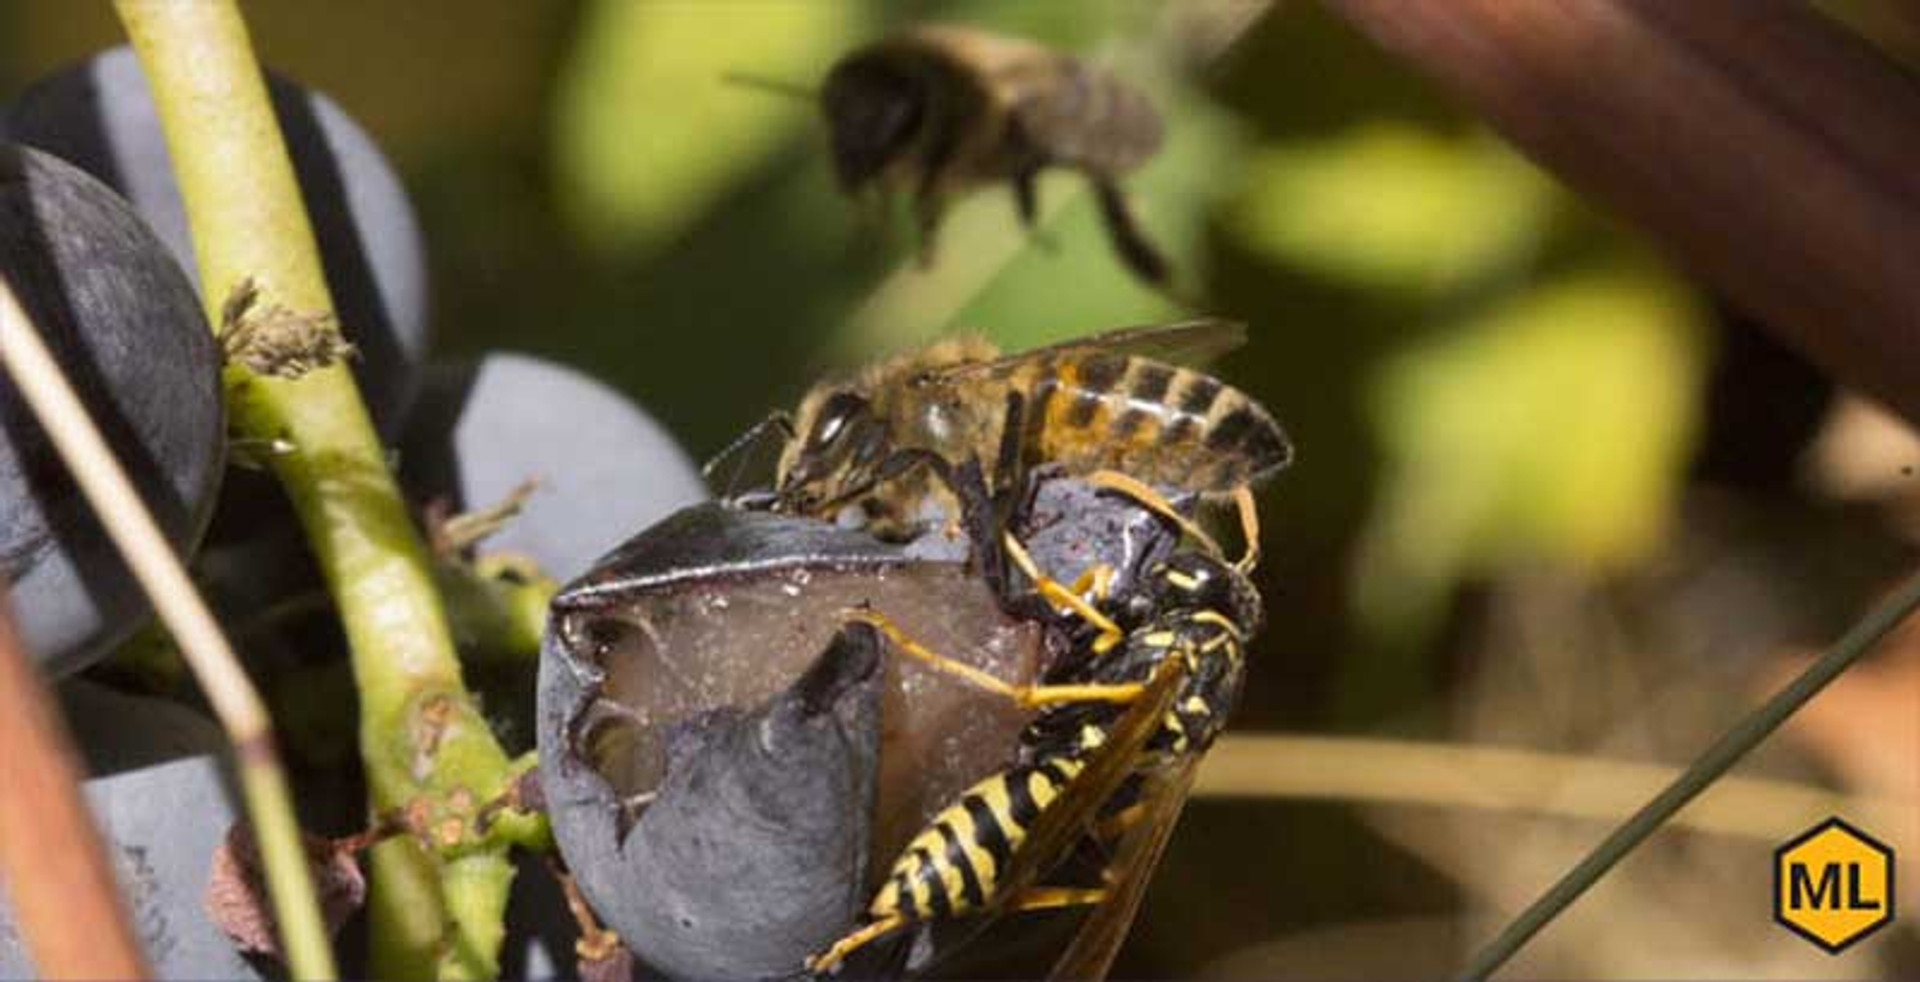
x: 1184, y: 343
x: 1105, y: 928
x: 1060, y: 826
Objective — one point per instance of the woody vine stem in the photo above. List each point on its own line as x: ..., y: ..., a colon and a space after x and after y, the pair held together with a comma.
x: 436, y: 909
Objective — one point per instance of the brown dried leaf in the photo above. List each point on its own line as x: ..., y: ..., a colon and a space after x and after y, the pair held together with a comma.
x: 237, y: 898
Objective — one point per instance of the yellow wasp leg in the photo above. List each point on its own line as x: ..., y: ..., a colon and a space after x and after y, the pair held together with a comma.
x: 1114, y: 825
x: 1096, y: 580
x: 1066, y: 598
x: 1054, y: 898
x: 1157, y: 503
x: 854, y: 941
x: 1029, y: 696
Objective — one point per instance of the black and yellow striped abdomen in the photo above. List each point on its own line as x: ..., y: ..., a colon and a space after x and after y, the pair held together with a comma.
x: 1169, y: 426
x: 955, y: 865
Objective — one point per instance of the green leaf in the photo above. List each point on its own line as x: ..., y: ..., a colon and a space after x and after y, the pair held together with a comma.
x: 1392, y: 205
x: 1555, y: 425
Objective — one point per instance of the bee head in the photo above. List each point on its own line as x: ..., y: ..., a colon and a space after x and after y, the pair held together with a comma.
x: 838, y: 453
x: 873, y: 111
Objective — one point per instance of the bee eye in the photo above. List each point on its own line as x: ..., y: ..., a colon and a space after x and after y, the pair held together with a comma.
x: 836, y: 418
x: 830, y: 429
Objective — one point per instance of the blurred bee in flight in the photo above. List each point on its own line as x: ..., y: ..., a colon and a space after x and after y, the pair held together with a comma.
x: 934, y: 111
x: 888, y: 439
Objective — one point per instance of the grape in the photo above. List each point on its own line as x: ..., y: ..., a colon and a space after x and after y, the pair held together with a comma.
x: 161, y: 816
x: 602, y: 464
x: 100, y: 117
x: 122, y: 320
x: 117, y: 732
x: 692, y: 634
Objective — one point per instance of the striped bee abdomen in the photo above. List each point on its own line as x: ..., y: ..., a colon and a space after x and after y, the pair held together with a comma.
x: 955, y: 865
x: 1169, y: 426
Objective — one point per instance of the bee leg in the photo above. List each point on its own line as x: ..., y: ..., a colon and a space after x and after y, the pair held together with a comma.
x: 1249, y: 528
x: 1068, y: 598
x: 1026, y: 204
x: 1030, y: 696
x: 928, y: 210
x: 1054, y: 898
x: 1139, y: 254
x: 854, y: 940
x: 965, y: 483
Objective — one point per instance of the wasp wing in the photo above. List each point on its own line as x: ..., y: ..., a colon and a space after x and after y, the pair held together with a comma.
x: 1094, y: 946
x: 1061, y: 825
x: 1182, y: 343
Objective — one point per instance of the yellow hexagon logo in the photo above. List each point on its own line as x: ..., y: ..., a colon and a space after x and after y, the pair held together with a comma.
x: 1833, y: 885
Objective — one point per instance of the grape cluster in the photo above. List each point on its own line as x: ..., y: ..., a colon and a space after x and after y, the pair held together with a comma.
x: 93, y: 237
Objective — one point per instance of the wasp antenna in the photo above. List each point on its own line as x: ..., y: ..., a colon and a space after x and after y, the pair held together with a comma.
x: 777, y: 86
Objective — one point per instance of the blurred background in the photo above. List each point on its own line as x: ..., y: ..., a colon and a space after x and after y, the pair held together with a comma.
x: 1551, y: 495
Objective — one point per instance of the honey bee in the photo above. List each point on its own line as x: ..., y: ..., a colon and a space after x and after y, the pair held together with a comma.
x: 937, y: 110
x: 888, y: 439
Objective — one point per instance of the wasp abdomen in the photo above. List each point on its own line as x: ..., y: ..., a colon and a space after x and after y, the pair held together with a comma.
x: 955, y: 865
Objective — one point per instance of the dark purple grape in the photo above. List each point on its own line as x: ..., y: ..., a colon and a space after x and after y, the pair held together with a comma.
x: 603, y: 465
x: 99, y: 116
x: 124, y: 323
x: 163, y: 801
x: 713, y: 626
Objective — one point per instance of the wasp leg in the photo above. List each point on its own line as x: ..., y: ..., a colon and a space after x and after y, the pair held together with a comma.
x: 828, y: 960
x: 1096, y: 580
x: 1117, y: 824
x: 1068, y: 598
x: 1054, y: 898
x: 1029, y: 696
x: 1157, y: 503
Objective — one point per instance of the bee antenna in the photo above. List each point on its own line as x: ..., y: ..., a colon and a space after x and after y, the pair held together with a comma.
x: 777, y: 86
x: 746, y: 441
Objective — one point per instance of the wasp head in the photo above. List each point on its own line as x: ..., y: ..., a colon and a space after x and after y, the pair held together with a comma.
x: 1194, y: 580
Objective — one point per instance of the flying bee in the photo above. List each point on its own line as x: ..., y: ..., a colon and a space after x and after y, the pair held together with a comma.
x: 1111, y: 754
x: 938, y: 110
x: 889, y: 438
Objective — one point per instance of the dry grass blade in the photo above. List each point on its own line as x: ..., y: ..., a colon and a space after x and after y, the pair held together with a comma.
x: 52, y: 863
x: 1772, y: 150
x: 105, y: 485
x: 1506, y: 779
